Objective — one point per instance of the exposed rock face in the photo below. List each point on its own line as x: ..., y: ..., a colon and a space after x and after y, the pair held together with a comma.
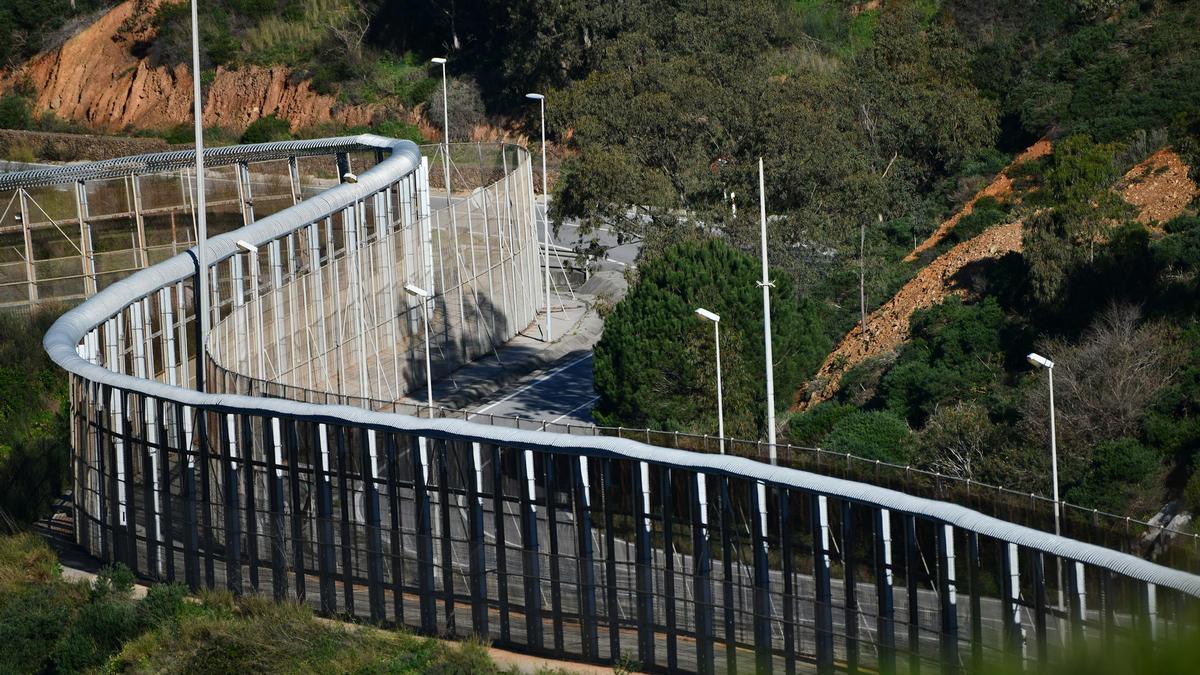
x: 93, y: 79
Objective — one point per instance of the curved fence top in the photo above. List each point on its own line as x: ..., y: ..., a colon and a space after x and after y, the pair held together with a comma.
x: 181, y: 159
x: 64, y: 336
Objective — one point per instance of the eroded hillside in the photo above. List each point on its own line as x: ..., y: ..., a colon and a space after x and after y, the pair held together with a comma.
x: 95, y: 80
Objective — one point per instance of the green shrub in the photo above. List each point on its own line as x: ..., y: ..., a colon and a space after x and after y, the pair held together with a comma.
x: 876, y: 434
x: 1191, y: 493
x: 956, y: 352
x: 810, y: 427
x: 266, y: 129
x: 986, y: 213
x: 1117, y: 474
x: 15, y: 112
x: 33, y: 620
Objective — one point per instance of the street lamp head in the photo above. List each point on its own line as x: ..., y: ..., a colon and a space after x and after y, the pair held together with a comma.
x: 705, y: 314
x: 416, y: 290
x: 349, y: 177
x: 438, y: 60
x: 245, y: 245
x: 1039, y: 360
x: 534, y: 97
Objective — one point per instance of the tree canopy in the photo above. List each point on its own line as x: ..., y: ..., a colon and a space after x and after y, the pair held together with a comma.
x: 655, y: 364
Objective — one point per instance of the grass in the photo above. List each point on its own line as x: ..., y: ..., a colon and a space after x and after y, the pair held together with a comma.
x: 48, y: 624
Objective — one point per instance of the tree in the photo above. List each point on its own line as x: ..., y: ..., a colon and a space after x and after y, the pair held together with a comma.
x: 466, y: 107
x: 1078, y: 212
x: 875, y: 434
x: 654, y: 365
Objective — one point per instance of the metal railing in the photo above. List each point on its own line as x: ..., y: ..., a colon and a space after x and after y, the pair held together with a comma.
x: 1157, y: 542
x: 587, y: 547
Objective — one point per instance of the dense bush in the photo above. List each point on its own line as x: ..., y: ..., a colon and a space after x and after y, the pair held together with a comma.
x: 465, y: 105
x: 811, y: 427
x: 875, y: 434
x: 267, y: 128
x: 15, y: 112
x: 49, y: 625
x: 956, y: 351
x: 34, y: 427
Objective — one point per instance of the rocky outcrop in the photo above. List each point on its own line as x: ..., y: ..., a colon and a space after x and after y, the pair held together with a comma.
x: 93, y: 79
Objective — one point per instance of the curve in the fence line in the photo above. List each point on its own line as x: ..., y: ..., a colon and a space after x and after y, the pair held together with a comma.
x: 725, y: 550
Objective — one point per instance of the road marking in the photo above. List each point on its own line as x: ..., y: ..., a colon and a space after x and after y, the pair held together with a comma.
x: 587, y: 402
x: 536, y: 381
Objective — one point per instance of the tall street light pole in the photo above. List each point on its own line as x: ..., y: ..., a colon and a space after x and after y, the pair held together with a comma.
x: 716, y: 322
x: 1042, y: 362
x: 201, y: 305
x: 438, y: 60
x: 766, y: 293
x: 545, y: 214
x: 424, y: 296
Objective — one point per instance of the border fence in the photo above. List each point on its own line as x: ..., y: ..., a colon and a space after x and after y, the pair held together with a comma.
x: 594, y: 548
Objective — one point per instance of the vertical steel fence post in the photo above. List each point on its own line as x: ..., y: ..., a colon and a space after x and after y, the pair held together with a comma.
x: 326, y: 553
x: 424, y: 524
x: 447, y: 549
x: 229, y: 484
x: 644, y: 571
x: 1011, y: 590
x: 850, y: 586
x: 370, y: 473
x: 531, y: 564
x: 609, y: 493
x: 396, y: 535
x: 823, y: 600
x: 249, y: 476
x: 275, y: 495
x: 1037, y: 564
x: 702, y: 576
x: 787, y: 551
x: 885, y: 623
x: 299, y: 515
x: 476, y: 546
x: 727, y: 576
x: 548, y: 467
x: 501, y: 542
x: 912, y: 567
x: 973, y: 569
x: 667, y: 501
x: 947, y: 592
x: 586, y: 570
x: 1077, y: 592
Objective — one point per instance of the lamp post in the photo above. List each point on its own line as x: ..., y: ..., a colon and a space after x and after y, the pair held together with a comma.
x: 716, y: 322
x: 445, y: 123
x: 766, y: 293
x: 545, y: 213
x: 201, y: 208
x: 424, y: 295
x: 1040, y: 361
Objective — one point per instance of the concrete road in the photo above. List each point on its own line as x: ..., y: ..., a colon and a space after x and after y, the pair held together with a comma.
x: 564, y: 393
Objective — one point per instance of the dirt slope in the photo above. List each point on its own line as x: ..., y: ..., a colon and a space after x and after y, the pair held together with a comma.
x: 93, y: 79
x: 887, y: 326
x: 1159, y: 187
x: 1000, y: 186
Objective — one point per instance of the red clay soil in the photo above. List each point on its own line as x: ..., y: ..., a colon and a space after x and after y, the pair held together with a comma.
x: 1159, y: 187
x: 93, y: 79
x: 1000, y: 186
x: 888, y: 326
